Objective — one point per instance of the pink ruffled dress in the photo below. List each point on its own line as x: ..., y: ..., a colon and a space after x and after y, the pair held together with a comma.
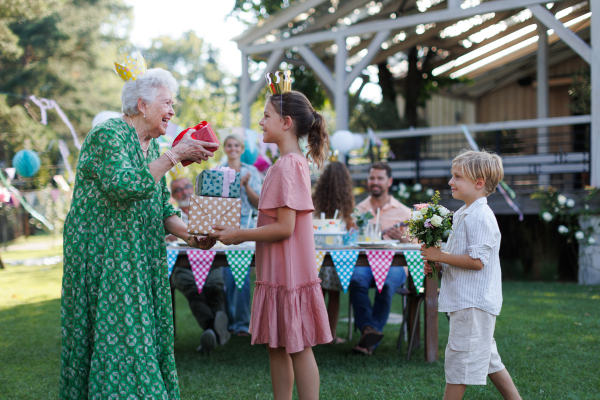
x: 288, y: 309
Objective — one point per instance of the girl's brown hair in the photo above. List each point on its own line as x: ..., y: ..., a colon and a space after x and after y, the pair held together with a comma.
x: 333, y: 191
x: 306, y: 122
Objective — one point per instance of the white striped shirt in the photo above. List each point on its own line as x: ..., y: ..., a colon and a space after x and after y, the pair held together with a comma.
x: 474, y: 232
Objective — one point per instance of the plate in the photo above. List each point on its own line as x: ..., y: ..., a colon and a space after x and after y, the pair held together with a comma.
x: 378, y: 244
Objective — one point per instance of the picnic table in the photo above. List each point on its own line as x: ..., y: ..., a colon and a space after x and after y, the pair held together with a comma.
x: 431, y: 289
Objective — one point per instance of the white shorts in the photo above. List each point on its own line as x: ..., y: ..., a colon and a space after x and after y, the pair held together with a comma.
x: 471, y: 353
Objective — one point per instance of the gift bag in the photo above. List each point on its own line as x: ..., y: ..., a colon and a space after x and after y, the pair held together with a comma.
x: 219, y: 182
x: 205, y: 212
x: 204, y: 132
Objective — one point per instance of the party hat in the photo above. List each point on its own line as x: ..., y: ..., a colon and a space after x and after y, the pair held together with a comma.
x: 177, y: 172
x: 133, y: 67
x: 280, y: 81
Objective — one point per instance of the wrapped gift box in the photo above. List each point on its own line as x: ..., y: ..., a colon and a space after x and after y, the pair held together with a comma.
x: 218, y: 183
x: 205, y: 212
x: 204, y: 132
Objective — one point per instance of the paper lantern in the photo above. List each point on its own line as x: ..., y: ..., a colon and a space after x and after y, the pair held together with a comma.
x: 346, y: 141
x: 250, y: 154
x: 27, y: 163
x: 105, y: 116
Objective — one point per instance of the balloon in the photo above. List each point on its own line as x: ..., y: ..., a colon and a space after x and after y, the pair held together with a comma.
x: 250, y: 154
x: 346, y: 141
x: 27, y: 163
x: 262, y: 163
x: 105, y: 116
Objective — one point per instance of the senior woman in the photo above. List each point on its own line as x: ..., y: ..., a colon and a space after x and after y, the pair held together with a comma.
x: 238, y: 302
x: 116, y: 315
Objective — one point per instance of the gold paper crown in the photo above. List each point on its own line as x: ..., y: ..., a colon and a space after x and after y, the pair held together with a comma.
x: 280, y: 81
x: 133, y: 67
x: 177, y: 172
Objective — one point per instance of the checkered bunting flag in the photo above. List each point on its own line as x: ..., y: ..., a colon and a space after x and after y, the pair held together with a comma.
x: 344, y: 261
x: 380, y: 261
x: 200, y: 261
x: 320, y: 257
x: 171, y: 258
x: 415, y: 267
x: 239, y: 262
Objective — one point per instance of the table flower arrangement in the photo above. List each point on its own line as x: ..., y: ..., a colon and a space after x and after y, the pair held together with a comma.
x: 429, y: 224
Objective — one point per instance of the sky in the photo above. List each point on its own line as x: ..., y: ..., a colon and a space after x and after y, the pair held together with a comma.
x: 208, y: 18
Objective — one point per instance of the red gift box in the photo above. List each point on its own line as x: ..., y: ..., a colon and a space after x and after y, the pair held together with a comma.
x: 203, y: 132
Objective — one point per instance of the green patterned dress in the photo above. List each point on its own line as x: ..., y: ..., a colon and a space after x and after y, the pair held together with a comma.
x: 116, y: 315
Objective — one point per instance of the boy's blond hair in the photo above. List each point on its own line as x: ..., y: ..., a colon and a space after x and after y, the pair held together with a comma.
x: 480, y: 164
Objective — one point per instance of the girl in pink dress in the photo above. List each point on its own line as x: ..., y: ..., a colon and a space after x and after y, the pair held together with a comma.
x: 288, y: 311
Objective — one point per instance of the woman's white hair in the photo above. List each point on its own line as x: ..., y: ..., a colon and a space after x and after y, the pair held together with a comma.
x: 146, y: 87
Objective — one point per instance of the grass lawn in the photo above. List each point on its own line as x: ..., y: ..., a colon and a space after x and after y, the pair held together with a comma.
x: 547, y: 335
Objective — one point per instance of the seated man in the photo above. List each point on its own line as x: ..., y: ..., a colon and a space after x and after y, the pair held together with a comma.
x: 207, y: 307
x: 371, y: 319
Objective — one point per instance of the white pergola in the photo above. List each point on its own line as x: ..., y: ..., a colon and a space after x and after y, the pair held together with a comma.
x: 318, y: 32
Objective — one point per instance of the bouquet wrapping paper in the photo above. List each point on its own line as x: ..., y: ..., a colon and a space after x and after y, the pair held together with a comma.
x: 208, y: 211
x: 222, y: 182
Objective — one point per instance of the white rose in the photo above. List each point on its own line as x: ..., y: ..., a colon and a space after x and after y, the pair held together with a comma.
x: 417, y: 187
x: 418, y: 216
x: 436, y: 220
x: 424, y: 210
x: 563, y: 229
x: 579, y: 235
x: 429, y: 192
x: 561, y: 199
x: 591, y: 240
x: 401, y: 188
x: 570, y: 203
x: 406, y: 195
x: 547, y: 216
x: 443, y: 211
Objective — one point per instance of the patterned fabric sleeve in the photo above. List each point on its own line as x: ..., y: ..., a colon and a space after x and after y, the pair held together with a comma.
x: 168, y: 208
x: 119, y: 179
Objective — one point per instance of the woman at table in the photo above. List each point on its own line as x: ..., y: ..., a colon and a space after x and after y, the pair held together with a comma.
x: 116, y: 314
x: 333, y: 191
x: 238, y: 302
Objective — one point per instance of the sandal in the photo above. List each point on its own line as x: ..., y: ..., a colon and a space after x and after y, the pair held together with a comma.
x: 370, y: 337
x: 365, y: 351
x: 242, y: 334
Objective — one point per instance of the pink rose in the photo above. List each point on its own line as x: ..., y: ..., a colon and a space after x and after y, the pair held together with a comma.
x: 420, y: 206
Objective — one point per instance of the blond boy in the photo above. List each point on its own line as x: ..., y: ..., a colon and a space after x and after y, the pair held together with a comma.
x: 471, y: 290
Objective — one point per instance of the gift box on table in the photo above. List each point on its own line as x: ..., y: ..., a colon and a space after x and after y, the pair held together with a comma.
x: 205, y: 212
x: 219, y: 182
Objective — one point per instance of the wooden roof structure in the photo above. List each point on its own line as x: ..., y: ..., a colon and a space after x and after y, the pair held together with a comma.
x: 488, y: 41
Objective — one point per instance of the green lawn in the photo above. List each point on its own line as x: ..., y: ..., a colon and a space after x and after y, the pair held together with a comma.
x: 547, y: 335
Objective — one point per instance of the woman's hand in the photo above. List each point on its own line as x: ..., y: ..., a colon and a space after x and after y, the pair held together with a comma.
x: 201, y: 242
x: 192, y: 149
x: 245, y: 179
x: 226, y: 235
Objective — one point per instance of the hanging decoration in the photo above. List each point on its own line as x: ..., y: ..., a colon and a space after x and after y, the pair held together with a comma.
x: 320, y: 257
x: 239, y: 262
x: 416, y: 268
x: 44, y: 105
x: 11, y: 173
x: 16, y: 197
x: 200, y: 261
x: 27, y: 163
x: 344, y: 261
x: 64, y: 152
x: 171, y: 258
x: 380, y: 262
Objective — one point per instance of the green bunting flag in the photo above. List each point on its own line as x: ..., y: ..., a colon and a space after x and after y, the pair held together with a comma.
x: 416, y: 268
x: 239, y: 262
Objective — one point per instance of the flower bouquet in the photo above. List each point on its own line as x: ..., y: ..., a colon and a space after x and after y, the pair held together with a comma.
x: 429, y: 224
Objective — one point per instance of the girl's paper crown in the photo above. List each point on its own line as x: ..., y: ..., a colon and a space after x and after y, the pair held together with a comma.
x: 133, y: 67
x: 280, y: 81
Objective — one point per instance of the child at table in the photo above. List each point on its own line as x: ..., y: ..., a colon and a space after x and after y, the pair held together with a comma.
x: 288, y: 310
x: 471, y: 290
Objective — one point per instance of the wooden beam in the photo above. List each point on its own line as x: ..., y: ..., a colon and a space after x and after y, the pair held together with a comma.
x: 328, y: 19
x: 276, y: 21
x: 543, y: 91
x: 372, y: 51
x: 595, y: 97
x: 318, y: 67
x: 398, y: 23
x: 567, y: 35
x: 341, y: 92
x: 244, y: 88
x: 272, y: 65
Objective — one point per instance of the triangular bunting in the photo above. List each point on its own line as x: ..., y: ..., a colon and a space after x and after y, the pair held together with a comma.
x: 344, y: 261
x: 171, y: 258
x: 239, y: 262
x: 320, y: 257
x: 200, y: 261
x: 11, y: 173
x: 416, y: 268
x: 30, y: 197
x: 380, y: 261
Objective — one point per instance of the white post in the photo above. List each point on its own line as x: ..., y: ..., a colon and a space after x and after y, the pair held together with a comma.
x: 341, y: 93
x: 542, y: 95
x: 244, y: 92
x: 595, y: 76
